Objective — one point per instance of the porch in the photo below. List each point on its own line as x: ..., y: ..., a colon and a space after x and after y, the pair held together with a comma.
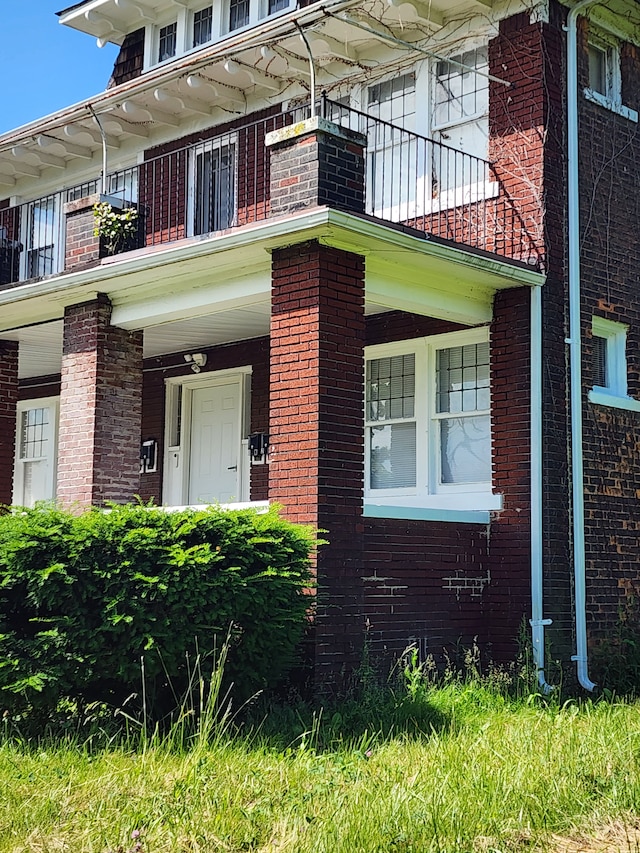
x: 223, y: 182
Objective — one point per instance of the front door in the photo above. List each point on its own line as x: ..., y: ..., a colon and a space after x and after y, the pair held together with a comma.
x: 214, y: 463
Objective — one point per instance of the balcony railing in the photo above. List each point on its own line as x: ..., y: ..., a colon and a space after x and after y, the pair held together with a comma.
x: 223, y: 182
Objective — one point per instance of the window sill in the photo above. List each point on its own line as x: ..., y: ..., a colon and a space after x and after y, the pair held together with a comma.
x: 461, y: 509
x: 610, y: 104
x: 614, y: 401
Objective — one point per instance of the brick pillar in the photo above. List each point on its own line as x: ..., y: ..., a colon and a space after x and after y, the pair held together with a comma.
x: 100, y: 408
x: 82, y: 247
x: 8, y: 401
x: 317, y: 432
x: 316, y: 162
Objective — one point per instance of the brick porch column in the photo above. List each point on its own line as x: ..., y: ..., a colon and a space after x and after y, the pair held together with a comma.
x: 317, y: 432
x: 8, y: 402
x: 100, y: 408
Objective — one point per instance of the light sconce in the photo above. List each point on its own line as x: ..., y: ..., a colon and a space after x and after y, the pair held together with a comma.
x: 197, y: 360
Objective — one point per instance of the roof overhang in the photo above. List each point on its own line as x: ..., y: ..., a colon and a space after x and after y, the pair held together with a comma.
x: 198, y: 276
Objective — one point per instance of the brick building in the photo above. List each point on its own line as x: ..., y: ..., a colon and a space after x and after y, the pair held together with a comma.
x: 382, y: 270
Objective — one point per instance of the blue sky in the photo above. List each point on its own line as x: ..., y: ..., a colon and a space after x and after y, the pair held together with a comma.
x: 44, y: 66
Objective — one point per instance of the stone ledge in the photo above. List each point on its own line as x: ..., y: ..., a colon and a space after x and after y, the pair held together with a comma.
x: 89, y: 201
x: 310, y: 126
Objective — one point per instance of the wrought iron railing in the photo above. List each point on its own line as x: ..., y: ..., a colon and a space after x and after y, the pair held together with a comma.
x: 436, y: 188
x: 223, y: 182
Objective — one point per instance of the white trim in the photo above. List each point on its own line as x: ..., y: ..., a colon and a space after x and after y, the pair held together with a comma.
x: 53, y: 404
x: 615, y: 335
x: 611, y: 104
x: 424, y: 514
x: 429, y: 490
x: 600, y: 397
x: 175, y: 477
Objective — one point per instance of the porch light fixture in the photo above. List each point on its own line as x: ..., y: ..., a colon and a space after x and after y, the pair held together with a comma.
x: 197, y: 360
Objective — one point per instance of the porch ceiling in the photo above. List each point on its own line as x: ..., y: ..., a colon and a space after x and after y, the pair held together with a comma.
x: 213, y: 290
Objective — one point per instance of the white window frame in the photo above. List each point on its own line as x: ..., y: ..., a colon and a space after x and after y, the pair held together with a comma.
x: 229, y: 140
x: 429, y: 491
x: 611, y: 98
x: 614, y: 393
x: 425, y: 87
x: 183, y: 17
x: 53, y: 404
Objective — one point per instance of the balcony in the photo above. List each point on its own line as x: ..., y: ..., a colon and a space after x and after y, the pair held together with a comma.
x: 223, y: 182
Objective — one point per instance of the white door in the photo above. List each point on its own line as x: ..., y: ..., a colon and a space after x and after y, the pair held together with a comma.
x: 214, y: 463
x: 36, y: 452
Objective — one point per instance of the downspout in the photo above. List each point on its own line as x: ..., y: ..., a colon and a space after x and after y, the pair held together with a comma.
x: 537, y: 621
x: 103, y: 135
x: 575, y: 350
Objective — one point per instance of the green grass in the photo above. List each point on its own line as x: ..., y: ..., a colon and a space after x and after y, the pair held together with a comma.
x: 467, y: 770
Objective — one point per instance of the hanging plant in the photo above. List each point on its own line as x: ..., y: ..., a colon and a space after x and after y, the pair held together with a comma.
x: 115, y: 228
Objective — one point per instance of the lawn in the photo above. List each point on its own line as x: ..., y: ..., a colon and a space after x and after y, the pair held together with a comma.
x: 466, y: 769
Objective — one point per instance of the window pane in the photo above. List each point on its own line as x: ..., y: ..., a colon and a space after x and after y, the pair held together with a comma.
x: 465, y: 450
x: 215, y: 205
x: 277, y: 6
x: 462, y: 378
x: 393, y: 456
x: 34, y: 433
x: 167, y: 42
x: 597, y: 69
x: 390, y: 388
x: 461, y: 93
x: 202, y: 26
x: 600, y: 376
x: 238, y: 14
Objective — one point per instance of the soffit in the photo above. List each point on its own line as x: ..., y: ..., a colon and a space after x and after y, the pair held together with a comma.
x: 245, y: 71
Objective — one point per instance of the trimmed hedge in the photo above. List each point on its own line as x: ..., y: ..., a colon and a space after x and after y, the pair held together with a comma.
x: 84, y: 597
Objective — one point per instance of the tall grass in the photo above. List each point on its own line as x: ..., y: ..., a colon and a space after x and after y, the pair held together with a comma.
x: 456, y: 767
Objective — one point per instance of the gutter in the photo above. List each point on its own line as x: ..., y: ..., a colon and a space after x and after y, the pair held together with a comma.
x: 575, y: 350
x: 538, y: 622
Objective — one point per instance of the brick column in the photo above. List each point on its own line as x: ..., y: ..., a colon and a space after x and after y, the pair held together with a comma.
x: 316, y: 162
x: 100, y: 408
x: 317, y: 432
x: 8, y: 401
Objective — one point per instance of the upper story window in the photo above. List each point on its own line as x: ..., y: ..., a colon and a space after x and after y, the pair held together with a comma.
x: 167, y: 41
x: 428, y: 422
x: 409, y: 176
x: 202, y: 26
x: 605, y: 78
x: 609, y: 365
x: 197, y: 25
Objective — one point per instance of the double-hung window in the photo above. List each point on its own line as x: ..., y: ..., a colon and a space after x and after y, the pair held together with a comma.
x: 428, y: 423
x: 213, y: 186
x: 167, y: 41
x: 605, y: 78
x: 202, y: 26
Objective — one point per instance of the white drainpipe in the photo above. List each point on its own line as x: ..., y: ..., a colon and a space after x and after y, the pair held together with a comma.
x: 574, y: 342
x: 537, y: 621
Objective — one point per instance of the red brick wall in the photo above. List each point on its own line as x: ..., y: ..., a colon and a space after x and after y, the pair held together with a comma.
x: 82, y: 248
x: 8, y: 400
x: 517, y: 118
x: 164, y: 177
x: 609, y: 216
x: 444, y: 585
x: 316, y: 430
x: 100, y: 408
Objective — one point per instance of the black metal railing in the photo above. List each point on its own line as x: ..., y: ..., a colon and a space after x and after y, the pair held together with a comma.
x: 436, y: 188
x: 223, y: 182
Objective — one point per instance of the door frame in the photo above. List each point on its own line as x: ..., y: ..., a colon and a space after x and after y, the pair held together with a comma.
x: 177, y: 430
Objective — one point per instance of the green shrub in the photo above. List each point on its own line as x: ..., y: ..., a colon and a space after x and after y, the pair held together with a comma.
x: 84, y: 598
